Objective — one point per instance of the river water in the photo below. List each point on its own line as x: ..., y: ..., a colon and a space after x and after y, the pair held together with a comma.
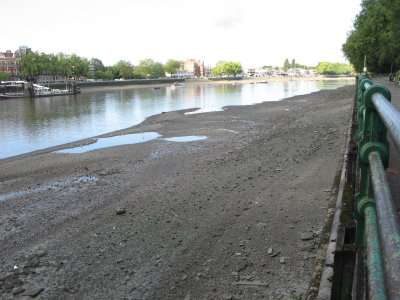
x: 27, y: 125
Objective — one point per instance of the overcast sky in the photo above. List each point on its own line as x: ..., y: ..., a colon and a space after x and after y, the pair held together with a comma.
x: 253, y: 32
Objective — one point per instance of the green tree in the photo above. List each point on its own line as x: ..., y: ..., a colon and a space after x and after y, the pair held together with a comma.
x: 227, y: 68
x: 97, y: 64
x: 30, y: 65
x: 329, y: 68
x: 4, y: 75
x: 123, y: 69
x: 172, y: 66
x: 293, y: 64
x: 376, y: 34
x: 63, y: 67
x: 218, y: 69
x: 158, y: 70
x: 233, y: 68
x: 34, y: 64
x: 147, y: 68
x: 286, y: 65
x: 104, y: 74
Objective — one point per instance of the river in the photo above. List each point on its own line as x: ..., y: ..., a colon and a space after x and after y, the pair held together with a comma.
x: 28, y: 125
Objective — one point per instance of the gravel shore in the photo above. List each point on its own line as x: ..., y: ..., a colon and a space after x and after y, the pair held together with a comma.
x: 239, y: 215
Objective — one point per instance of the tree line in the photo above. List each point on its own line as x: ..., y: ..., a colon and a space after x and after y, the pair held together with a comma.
x: 329, y: 68
x: 376, y: 37
x: 293, y: 65
x: 34, y: 64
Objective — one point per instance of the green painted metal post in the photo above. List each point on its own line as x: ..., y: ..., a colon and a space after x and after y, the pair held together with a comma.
x: 371, y: 137
x: 389, y: 227
x: 376, y: 282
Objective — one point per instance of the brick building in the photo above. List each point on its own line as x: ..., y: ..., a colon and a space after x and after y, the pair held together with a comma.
x: 10, y: 63
x: 196, y: 67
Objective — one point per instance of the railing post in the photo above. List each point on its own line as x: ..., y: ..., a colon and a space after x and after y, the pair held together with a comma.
x: 371, y: 137
x: 388, y: 225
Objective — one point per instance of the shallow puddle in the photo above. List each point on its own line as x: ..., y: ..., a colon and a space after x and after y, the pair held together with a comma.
x: 128, y: 139
x: 119, y: 140
x: 182, y: 139
x: 57, y: 185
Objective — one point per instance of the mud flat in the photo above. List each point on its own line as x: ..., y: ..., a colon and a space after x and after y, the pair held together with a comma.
x: 238, y: 215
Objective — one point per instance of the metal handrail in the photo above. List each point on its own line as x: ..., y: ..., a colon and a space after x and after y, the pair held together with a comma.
x: 389, y: 113
x: 378, y: 226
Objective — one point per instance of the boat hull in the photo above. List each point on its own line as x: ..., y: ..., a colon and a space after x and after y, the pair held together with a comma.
x: 55, y: 94
x: 12, y: 96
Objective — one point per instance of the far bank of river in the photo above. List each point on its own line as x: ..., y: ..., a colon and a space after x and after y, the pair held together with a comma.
x: 143, y: 83
x: 28, y: 125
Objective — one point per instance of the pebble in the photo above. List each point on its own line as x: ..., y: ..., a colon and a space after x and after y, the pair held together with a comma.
x: 32, y: 292
x: 306, y: 236
x: 17, y: 290
x: 251, y: 283
x: 331, y: 130
x: 276, y: 254
x: 282, y: 260
x: 120, y: 211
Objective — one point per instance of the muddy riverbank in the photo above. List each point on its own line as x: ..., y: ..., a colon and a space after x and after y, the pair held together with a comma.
x: 238, y: 215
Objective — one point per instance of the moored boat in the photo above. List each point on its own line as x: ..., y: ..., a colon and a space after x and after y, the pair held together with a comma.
x: 177, y: 84
x: 42, y: 91
x: 12, y: 89
x: 11, y: 95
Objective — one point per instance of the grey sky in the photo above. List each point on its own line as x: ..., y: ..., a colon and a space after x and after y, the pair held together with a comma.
x: 253, y: 32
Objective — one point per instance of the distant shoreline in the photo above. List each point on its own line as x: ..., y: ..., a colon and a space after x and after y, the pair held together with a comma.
x: 155, y: 83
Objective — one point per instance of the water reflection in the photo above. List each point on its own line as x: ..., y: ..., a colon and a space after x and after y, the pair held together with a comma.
x: 128, y: 139
x: 100, y: 143
x: 184, y: 139
x: 31, y: 124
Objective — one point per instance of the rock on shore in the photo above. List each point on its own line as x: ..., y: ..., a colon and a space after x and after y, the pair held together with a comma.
x: 238, y: 215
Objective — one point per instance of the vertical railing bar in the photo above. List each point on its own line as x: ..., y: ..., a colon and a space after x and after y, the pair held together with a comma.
x: 389, y: 227
x: 376, y: 278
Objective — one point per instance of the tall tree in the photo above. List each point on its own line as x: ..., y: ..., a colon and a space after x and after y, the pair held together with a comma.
x: 30, y: 65
x: 376, y: 34
x: 97, y: 64
x: 233, y: 68
x: 147, y: 68
x: 227, y: 68
x: 123, y: 69
x: 172, y: 66
x: 286, y: 65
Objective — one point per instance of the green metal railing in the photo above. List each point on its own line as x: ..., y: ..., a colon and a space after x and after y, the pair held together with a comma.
x: 378, y: 229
